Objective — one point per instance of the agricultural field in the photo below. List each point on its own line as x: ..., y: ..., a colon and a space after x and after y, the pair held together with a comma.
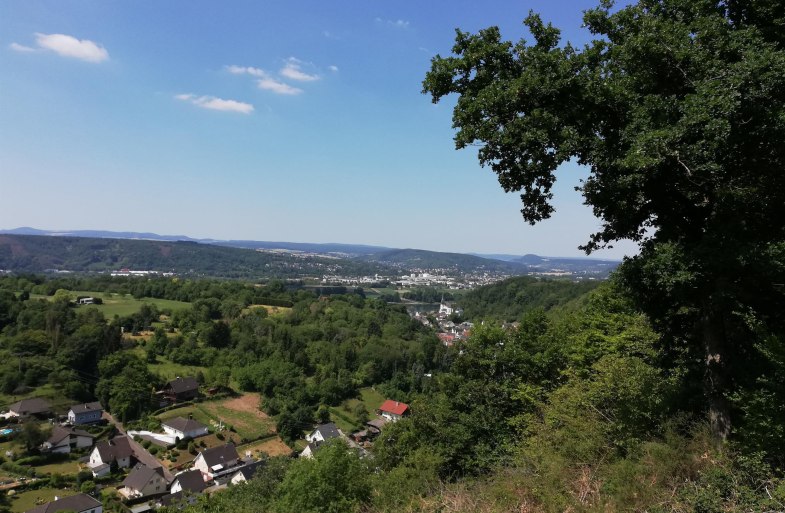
x: 121, y: 304
x: 271, y: 447
x: 241, y: 413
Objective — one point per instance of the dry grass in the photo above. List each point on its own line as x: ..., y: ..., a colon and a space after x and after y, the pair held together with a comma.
x: 271, y: 447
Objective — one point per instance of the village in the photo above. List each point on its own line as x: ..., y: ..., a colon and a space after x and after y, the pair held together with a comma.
x: 193, y: 451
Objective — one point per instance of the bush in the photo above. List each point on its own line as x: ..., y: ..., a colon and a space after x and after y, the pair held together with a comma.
x: 87, y: 487
x: 220, y: 436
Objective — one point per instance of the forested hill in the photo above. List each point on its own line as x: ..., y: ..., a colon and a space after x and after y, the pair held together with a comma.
x: 31, y: 253
x: 510, y: 299
x: 422, y: 259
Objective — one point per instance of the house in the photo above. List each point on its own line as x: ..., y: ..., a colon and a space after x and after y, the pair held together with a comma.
x: 217, y: 461
x: 63, y: 440
x: 184, y: 428
x: 143, y: 481
x: 79, y: 503
x: 393, y: 410
x: 324, y: 432
x: 246, y: 472
x: 190, y: 481
x: 34, y: 407
x: 117, y: 450
x: 181, y: 389
x: 87, y: 413
x: 86, y: 301
x: 310, y: 449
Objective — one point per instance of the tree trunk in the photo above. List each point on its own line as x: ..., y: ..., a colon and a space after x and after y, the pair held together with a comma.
x: 715, y: 378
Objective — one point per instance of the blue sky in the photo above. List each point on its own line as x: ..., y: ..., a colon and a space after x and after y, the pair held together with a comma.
x: 292, y: 121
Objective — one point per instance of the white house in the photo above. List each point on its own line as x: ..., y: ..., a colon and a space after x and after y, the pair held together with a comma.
x: 143, y: 481
x: 324, y: 432
x: 79, y: 503
x: 246, y: 472
x: 190, y: 481
x: 118, y: 449
x: 217, y: 461
x: 184, y: 428
x: 393, y: 410
x: 63, y: 440
x: 86, y: 413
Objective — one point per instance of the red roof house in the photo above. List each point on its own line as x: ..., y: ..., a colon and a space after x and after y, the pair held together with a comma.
x: 393, y: 410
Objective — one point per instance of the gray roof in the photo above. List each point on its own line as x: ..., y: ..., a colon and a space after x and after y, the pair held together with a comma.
x: 140, y: 476
x: 184, y: 425
x: 250, y: 469
x: 328, y: 431
x: 117, y: 448
x: 191, y: 481
x: 31, y: 406
x: 186, y: 384
x: 220, y: 455
x: 86, y: 407
x: 79, y: 502
x: 60, y: 433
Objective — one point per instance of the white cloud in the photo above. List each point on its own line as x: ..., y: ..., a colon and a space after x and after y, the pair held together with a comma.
x: 69, y: 46
x: 399, y: 24
x: 21, y: 48
x: 293, y: 70
x: 246, y: 70
x: 277, y: 87
x: 333, y: 68
x: 213, y: 103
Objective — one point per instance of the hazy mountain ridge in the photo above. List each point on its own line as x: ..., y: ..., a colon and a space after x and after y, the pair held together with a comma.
x: 350, y: 258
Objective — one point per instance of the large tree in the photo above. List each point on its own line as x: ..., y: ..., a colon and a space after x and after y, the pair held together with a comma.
x: 677, y: 107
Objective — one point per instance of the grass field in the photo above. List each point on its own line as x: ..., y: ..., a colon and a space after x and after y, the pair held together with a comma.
x: 60, y: 404
x: 64, y: 467
x: 30, y: 499
x: 271, y: 310
x: 271, y: 447
x: 122, y: 305
x: 242, y: 413
x: 344, y: 416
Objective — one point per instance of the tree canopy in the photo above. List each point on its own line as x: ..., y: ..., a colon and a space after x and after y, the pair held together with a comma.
x: 678, y: 109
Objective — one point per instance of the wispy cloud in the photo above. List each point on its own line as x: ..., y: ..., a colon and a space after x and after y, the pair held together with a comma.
x: 21, y: 48
x: 246, y: 70
x: 293, y: 71
x: 277, y: 87
x: 399, y: 24
x: 268, y: 82
x: 333, y: 68
x: 213, y: 103
x: 67, y: 46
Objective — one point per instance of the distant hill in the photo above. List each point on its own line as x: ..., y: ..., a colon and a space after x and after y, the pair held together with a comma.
x: 351, y: 259
x: 35, y: 253
x: 421, y: 259
x: 307, y: 247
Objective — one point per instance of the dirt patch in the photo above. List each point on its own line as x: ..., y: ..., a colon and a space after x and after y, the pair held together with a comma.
x: 272, y: 447
x: 248, y: 403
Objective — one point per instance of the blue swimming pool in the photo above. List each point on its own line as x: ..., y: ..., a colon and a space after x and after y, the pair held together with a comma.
x: 6, y: 431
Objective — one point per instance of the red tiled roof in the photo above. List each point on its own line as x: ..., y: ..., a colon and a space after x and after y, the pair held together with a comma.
x: 394, y: 407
